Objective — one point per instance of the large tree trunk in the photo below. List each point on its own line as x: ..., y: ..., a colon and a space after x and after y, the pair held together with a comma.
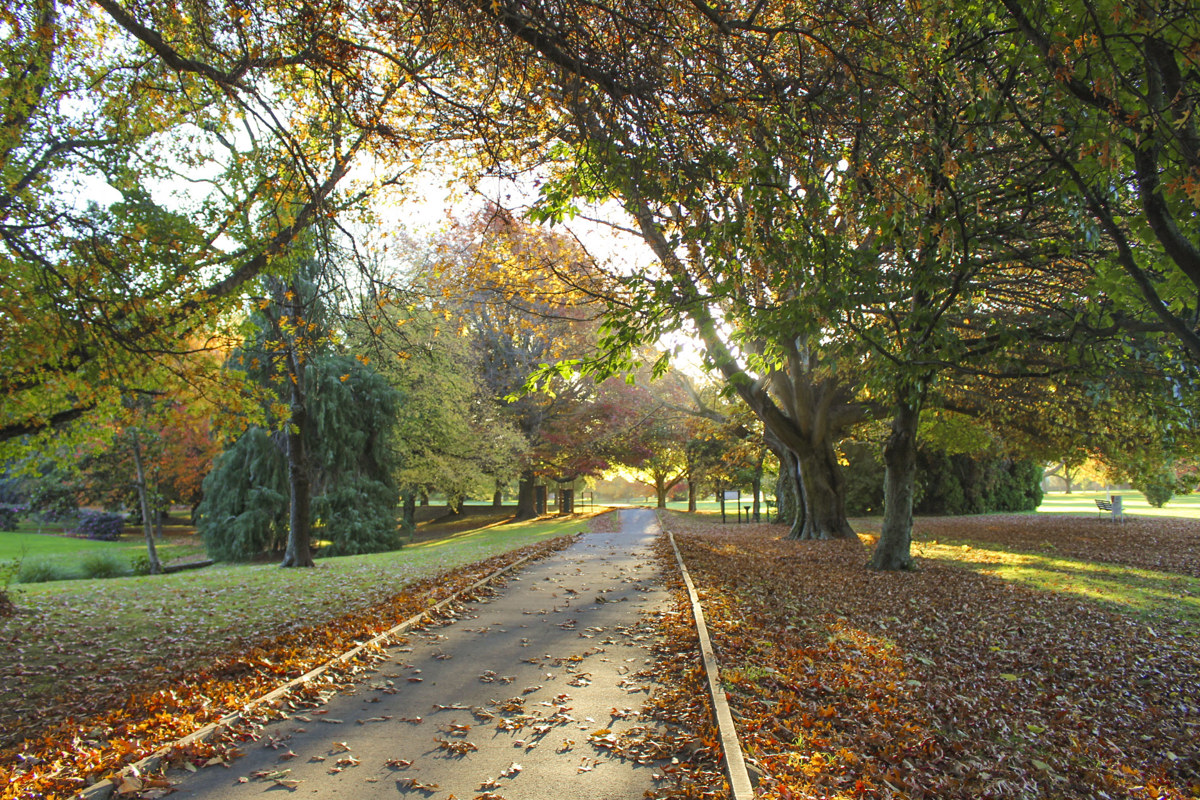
x: 144, y: 500
x: 824, y: 493
x: 498, y: 498
x: 526, y: 503
x: 691, y: 484
x: 408, y: 512
x: 660, y: 492
x: 900, y: 458
x: 299, y: 545
x: 790, y: 508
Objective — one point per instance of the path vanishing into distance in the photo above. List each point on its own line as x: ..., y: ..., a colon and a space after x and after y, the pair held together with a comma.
x: 521, y: 697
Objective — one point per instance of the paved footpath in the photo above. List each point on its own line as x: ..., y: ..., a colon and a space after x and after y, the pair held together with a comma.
x: 513, y: 700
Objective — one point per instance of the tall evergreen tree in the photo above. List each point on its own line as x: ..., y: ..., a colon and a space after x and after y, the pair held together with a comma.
x: 322, y: 466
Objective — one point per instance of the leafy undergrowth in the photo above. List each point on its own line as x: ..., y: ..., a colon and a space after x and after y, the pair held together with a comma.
x: 119, y: 722
x: 941, y: 683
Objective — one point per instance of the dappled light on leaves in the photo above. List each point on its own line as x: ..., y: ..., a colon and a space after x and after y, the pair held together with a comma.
x: 940, y: 683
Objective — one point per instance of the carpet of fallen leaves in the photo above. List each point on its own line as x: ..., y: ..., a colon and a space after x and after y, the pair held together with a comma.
x: 119, y: 723
x: 946, y: 682
x: 1167, y: 544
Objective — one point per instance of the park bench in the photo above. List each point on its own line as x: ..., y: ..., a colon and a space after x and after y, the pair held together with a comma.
x: 1106, y: 505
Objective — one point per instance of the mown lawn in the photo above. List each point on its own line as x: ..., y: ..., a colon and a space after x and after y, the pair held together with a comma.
x: 78, y: 647
x: 52, y: 550
x: 1029, y: 656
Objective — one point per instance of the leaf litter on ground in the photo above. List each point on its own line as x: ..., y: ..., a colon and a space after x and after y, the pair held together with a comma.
x: 944, y: 682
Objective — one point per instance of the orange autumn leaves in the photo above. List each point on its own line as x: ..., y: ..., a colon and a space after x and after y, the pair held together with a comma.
x: 940, y: 683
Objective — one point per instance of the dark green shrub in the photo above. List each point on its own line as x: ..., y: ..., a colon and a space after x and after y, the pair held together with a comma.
x: 864, y: 478
x: 10, y: 516
x: 1159, y: 487
x: 946, y: 484
x: 37, y: 570
x: 140, y: 564
x: 100, y: 525
x: 103, y: 565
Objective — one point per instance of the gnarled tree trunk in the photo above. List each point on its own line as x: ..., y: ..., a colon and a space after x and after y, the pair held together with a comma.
x: 823, y: 491
x: 790, y: 508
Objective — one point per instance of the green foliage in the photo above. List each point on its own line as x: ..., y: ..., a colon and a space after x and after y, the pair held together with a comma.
x: 962, y: 484
x: 245, y: 508
x: 103, y: 564
x: 1157, y: 485
x: 353, y: 408
x: 53, y: 495
x: 946, y: 483
x: 39, y: 570
x: 139, y: 564
x: 8, y: 573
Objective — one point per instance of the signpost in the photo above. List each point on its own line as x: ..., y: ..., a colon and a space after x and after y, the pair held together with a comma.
x: 736, y: 496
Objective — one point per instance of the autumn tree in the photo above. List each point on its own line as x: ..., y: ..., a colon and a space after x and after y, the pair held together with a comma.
x: 327, y: 423
x: 451, y: 435
x: 519, y: 296
x: 206, y: 138
x: 1106, y: 92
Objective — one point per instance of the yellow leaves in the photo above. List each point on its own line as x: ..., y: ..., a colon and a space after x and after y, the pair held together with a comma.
x: 344, y: 378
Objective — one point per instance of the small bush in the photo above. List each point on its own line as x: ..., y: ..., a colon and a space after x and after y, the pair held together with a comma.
x: 10, y: 515
x: 1158, y: 487
x: 140, y: 564
x: 103, y: 565
x: 101, y: 526
x: 37, y: 570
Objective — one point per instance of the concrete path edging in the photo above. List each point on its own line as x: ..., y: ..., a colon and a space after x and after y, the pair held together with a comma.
x: 735, y: 762
x: 103, y: 790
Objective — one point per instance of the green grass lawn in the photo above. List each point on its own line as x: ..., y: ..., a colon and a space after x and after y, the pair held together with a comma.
x: 68, y: 632
x: 48, y: 547
x: 1135, y: 504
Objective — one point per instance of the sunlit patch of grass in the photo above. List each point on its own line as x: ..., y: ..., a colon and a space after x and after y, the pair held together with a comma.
x: 1158, y: 597
x: 1134, y: 503
x: 67, y: 552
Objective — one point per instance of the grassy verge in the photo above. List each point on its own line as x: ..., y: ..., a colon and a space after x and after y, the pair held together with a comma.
x: 1185, y: 506
x: 74, y: 645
